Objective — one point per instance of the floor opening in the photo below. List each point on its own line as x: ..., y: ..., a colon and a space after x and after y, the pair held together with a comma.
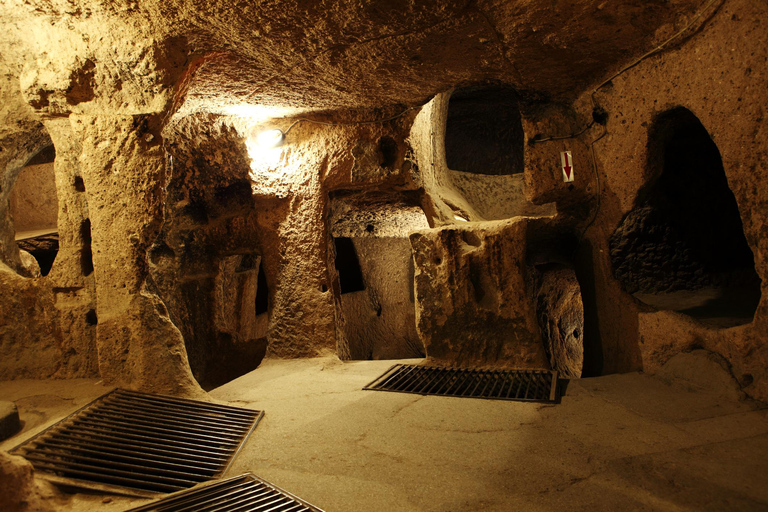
x: 683, y: 246
x: 141, y: 444
x: 244, y: 492
x: 521, y: 385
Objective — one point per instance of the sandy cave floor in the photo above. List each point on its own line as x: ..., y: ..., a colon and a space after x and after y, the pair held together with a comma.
x: 618, y: 442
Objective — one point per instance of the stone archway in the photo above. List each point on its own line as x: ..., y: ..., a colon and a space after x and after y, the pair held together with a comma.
x: 683, y: 246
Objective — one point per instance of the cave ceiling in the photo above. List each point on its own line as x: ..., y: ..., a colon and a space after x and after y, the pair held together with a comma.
x: 316, y: 55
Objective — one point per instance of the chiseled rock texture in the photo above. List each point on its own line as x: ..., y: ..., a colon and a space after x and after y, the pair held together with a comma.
x: 123, y: 167
x: 19, y: 490
x: 561, y: 318
x: 474, y: 296
x: 30, y: 338
x: 166, y: 205
x: 727, y: 94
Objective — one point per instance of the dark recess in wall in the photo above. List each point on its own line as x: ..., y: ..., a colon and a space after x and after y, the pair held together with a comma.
x: 348, y: 266
x: 484, y: 133
x: 685, y: 232
x: 86, y: 254
x: 44, y: 248
x: 593, y: 344
x: 262, y: 292
x: 46, y: 156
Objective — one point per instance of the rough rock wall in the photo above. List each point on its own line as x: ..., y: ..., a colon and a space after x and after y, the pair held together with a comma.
x: 123, y: 168
x: 291, y: 186
x: 71, y: 278
x: 206, y: 259
x: 33, y: 198
x: 499, y: 197
x: 719, y: 74
x: 53, y: 333
x: 22, y: 136
x: 30, y: 338
x: 561, y: 318
x: 380, y: 321
x: 474, y: 295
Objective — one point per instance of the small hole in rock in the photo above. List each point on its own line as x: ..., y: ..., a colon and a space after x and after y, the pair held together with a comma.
x: 86, y: 254
x: 79, y: 184
x: 91, y: 318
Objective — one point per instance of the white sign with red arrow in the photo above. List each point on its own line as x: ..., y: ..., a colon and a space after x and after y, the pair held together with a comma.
x: 567, y: 162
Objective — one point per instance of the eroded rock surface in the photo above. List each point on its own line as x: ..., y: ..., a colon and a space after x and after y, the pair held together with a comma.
x: 473, y: 295
x: 561, y: 318
x: 19, y: 491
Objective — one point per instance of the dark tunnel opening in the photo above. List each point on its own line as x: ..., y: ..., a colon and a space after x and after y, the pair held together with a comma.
x: 484, y: 131
x: 683, y: 246
x: 348, y: 266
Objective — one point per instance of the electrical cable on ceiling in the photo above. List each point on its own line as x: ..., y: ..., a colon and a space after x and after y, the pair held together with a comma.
x: 596, y: 109
x: 705, y: 6
x: 599, y: 116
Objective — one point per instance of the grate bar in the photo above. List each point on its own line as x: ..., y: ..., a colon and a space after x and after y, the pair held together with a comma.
x: 127, y: 455
x: 157, y: 427
x: 245, y: 493
x: 172, y: 484
x: 522, y: 385
x: 191, y: 405
x: 129, y: 466
x: 243, y: 497
x: 212, y: 419
x: 58, y: 439
x: 208, y: 495
x: 138, y: 433
x: 141, y: 442
x: 160, y: 417
x: 98, y: 477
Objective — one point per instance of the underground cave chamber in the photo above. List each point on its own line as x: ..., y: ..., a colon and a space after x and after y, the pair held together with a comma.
x: 682, y: 247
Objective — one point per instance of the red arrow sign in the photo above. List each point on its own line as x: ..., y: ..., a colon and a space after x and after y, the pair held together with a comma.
x: 565, y: 161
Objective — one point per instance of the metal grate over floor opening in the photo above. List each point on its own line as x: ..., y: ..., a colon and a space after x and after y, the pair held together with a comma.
x: 140, y: 444
x: 524, y: 385
x: 241, y: 493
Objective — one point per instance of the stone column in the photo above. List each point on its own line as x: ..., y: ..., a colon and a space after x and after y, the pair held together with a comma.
x: 123, y: 169
x: 71, y: 277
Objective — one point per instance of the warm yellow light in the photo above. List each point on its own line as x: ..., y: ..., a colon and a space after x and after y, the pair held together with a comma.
x: 270, y: 138
x: 462, y: 219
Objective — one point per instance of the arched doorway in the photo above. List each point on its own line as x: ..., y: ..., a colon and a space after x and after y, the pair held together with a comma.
x: 683, y: 246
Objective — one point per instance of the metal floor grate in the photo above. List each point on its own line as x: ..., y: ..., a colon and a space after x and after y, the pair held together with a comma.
x: 525, y: 385
x: 140, y: 444
x: 241, y: 493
